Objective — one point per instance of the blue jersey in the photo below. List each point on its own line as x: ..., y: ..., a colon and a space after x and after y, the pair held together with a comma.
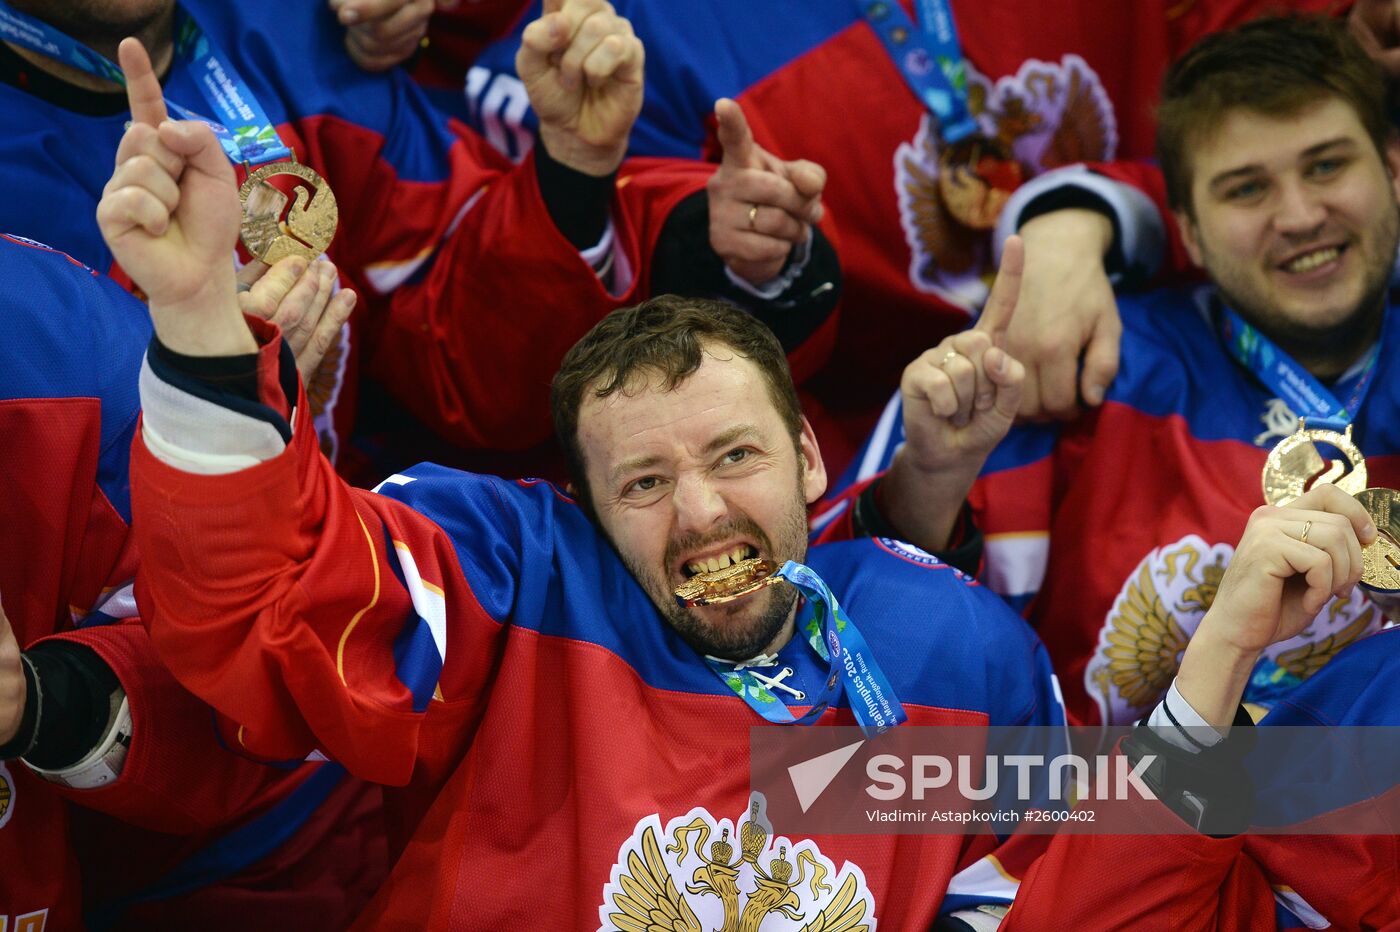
x: 1112, y: 531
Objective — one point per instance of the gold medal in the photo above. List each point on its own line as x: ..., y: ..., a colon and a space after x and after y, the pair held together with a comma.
x: 976, y: 178
x: 1295, y: 465
x: 733, y: 582
x: 1380, y: 561
x: 271, y: 229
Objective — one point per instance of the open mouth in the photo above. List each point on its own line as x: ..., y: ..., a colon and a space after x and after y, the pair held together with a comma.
x: 717, y: 562
x: 1313, y: 259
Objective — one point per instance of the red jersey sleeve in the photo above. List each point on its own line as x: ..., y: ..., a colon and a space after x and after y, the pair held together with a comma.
x: 311, y: 614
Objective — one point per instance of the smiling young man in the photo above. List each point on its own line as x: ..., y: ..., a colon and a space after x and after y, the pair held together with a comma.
x: 550, y: 724
x: 1114, y: 530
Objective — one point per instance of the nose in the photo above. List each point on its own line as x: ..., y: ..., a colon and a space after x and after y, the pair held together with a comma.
x: 698, y: 503
x: 1300, y: 210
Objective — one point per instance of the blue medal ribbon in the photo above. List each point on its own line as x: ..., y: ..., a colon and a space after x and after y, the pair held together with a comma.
x: 835, y: 638
x: 929, y: 57
x: 1297, y: 387
x: 252, y: 140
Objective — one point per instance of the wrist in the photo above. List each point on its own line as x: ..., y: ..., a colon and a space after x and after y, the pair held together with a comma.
x: 207, y: 323
x: 923, y: 500
x: 1075, y: 227
x: 569, y: 150
x: 1213, y: 675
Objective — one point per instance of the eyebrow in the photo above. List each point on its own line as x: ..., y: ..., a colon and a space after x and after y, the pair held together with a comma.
x: 1226, y: 177
x: 730, y: 436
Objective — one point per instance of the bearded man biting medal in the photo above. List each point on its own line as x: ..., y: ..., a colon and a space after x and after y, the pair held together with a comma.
x: 513, y: 663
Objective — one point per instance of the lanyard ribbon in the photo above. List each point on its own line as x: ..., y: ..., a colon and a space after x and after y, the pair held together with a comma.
x: 929, y: 57
x: 835, y: 638
x: 1297, y: 387
x: 252, y: 140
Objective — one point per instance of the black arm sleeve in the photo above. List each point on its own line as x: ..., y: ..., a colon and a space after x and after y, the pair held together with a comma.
x: 577, y: 203
x: 683, y: 263
x: 70, y: 691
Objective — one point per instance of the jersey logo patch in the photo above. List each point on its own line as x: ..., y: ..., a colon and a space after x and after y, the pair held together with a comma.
x: 769, y: 882
x: 7, y: 795
x: 1161, y: 605
x: 1047, y: 116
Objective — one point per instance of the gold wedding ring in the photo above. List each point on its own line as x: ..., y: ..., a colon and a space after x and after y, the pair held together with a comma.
x: 753, y: 216
x: 1303, y: 537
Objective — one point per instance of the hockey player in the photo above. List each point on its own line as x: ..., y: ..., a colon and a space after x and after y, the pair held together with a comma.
x: 848, y: 83
x: 87, y: 713
x: 1281, y: 164
x: 471, y: 272
x: 1288, y: 561
x: 511, y: 661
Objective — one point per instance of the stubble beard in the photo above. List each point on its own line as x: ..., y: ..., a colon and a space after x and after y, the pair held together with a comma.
x: 97, y: 22
x: 719, y: 631
x: 1328, y: 347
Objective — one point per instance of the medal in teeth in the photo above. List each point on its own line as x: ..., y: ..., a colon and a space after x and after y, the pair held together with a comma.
x: 727, y: 583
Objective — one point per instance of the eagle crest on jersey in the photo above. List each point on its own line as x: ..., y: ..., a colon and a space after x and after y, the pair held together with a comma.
x: 1047, y: 116
x: 7, y: 794
x: 765, y: 881
x: 1158, y: 609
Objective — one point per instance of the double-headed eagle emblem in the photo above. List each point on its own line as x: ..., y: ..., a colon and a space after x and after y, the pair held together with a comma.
x: 1159, y: 608
x: 1048, y: 115
x: 766, y: 879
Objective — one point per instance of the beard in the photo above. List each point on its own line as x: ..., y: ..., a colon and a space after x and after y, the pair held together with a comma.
x: 98, y: 22
x: 745, y: 627
x: 1332, y: 345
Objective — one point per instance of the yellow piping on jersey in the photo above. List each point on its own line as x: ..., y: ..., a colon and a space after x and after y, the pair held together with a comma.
x: 374, y: 560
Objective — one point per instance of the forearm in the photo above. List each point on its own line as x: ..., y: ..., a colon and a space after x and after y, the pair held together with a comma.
x: 1130, y: 196
x: 471, y: 345
x: 1213, y: 676
x: 68, y: 705
x: 923, y: 504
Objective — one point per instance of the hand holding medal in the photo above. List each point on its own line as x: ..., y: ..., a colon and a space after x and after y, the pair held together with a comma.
x: 170, y: 216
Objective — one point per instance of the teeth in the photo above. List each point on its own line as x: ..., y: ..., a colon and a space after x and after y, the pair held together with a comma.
x: 714, y: 564
x: 1313, y: 259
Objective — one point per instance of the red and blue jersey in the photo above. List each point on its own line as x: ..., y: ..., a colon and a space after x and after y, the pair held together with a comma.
x: 1256, y: 882
x: 208, y: 837
x: 478, y: 646
x: 1056, y: 84
x: 1112, y: 531
x: 435, y: 226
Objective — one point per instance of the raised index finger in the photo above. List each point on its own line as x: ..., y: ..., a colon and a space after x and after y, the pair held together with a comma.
x: 1001, y: 304
x: 142, y: 88
x: 735, y: 137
